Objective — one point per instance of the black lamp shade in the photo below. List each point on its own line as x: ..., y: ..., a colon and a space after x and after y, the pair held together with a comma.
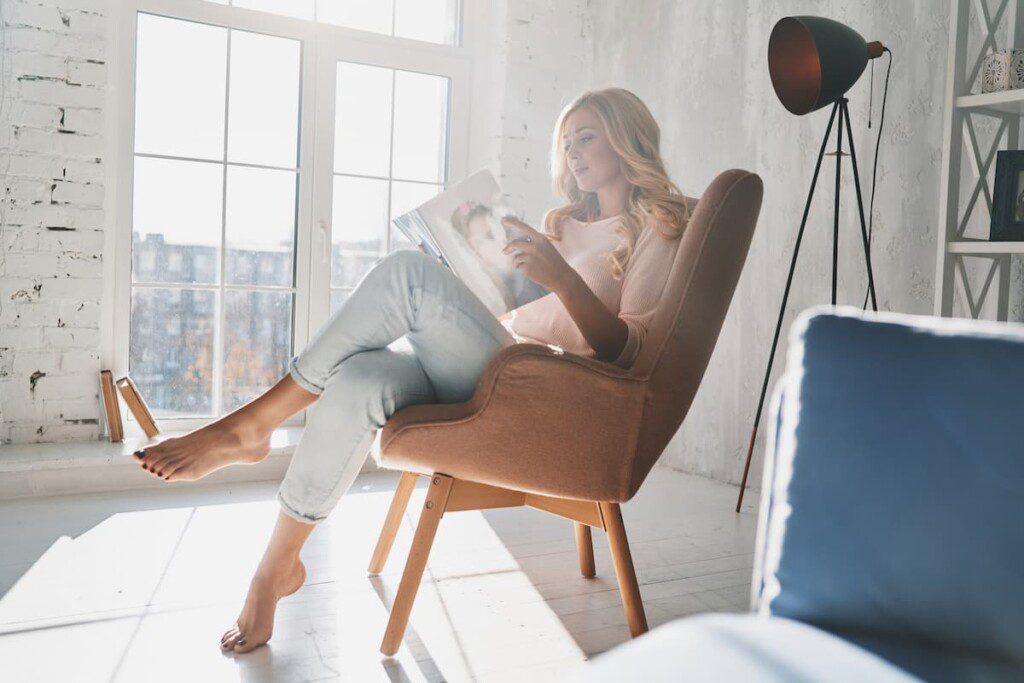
x: 813, y: 61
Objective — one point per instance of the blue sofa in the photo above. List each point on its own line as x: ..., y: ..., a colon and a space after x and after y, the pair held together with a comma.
x: 890, y: 544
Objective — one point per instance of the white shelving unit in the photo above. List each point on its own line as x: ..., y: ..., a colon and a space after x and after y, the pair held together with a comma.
x: 958, y: 253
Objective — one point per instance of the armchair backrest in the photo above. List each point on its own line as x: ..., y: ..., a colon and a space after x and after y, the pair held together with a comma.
x: 683, y: 332
x: 893, y: 494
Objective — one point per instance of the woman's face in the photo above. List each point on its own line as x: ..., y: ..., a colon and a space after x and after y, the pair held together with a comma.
x: 588, y: 154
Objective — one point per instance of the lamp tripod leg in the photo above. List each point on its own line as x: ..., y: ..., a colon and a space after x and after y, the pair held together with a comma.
x: 860, y: 209
x: 782, y: 308
x: 835, y: 212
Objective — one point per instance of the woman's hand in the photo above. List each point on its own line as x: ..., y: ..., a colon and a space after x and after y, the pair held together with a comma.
x: 537, y: 258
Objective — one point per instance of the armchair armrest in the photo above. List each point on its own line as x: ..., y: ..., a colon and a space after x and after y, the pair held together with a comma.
x: 539, y: 420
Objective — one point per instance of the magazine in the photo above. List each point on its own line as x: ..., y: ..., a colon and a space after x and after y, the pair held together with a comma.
x: 462, y: 225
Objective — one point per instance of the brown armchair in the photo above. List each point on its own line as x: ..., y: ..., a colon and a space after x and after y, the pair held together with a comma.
x: 567, y: 434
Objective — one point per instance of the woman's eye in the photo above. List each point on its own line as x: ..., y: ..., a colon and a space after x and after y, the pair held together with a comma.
x: 585, y: 138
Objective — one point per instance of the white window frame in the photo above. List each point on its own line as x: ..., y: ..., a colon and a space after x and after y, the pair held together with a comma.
x: 321, y: 44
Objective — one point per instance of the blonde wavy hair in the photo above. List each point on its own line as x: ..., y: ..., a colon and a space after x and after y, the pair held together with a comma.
x: 654, y: 199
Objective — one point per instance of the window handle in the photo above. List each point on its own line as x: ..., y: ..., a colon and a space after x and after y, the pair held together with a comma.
x: 325, y: 240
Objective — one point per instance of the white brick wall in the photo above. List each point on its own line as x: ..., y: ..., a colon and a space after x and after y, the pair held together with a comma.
x: 52, y: 97
x: 548, y: 54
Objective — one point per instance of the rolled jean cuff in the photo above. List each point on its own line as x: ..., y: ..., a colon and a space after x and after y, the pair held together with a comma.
x: 295, y: 514
x: 293, y: 372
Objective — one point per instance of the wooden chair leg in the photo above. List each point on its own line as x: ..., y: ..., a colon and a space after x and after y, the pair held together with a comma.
x: 624, y: 570
x: 392, y: 521
x: 430, y: 517
x: 585, y: 547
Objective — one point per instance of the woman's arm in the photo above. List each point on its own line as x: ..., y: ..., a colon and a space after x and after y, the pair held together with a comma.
x: 605, y: 331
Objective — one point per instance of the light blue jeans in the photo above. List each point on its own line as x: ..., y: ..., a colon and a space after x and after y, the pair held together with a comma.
x: 410, y: 332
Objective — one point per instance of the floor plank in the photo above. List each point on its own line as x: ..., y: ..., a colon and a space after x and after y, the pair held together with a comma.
x: 139, y: 585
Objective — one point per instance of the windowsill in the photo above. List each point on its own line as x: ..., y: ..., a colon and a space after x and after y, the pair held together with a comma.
x: 69, y: 454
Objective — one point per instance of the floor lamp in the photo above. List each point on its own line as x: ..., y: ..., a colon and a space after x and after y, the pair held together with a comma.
x: 813, y: 61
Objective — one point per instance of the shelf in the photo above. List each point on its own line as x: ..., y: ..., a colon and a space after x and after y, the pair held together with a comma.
x: 984, y: 247
x: 1005, y: 101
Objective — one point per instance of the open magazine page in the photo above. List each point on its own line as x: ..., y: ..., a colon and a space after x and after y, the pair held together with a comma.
x: 415, y: 230
x: 463, y: 226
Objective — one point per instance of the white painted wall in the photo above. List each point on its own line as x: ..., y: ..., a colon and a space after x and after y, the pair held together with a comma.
x: 706, y: 80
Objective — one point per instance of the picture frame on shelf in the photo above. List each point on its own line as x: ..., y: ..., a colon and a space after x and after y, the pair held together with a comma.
x: 1008, y: 197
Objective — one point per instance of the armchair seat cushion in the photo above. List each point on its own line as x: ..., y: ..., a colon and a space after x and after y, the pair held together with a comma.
x: 525, y: 427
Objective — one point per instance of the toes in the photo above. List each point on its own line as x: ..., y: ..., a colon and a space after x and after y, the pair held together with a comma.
x: 229, y: 638
x: 243, y: 646
x: 170, y: 468
x: 183, y: 472
x: 149, y: 467
x: 147, y: 457
x: 230, y: 643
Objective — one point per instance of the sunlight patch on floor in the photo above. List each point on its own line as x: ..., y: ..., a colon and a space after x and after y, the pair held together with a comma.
x: 146, y: 595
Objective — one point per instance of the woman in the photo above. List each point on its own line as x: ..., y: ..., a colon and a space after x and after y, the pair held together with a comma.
x: 604, y: 256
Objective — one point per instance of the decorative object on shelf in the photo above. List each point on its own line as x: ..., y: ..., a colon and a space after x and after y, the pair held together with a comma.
x: 1008, y: 197
x: 138, y: 406
x: 110, y: 406
x: 812, y: 62
x: 1003, y: 70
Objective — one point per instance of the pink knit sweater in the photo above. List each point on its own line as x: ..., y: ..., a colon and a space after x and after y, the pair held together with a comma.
x: 585, y: 247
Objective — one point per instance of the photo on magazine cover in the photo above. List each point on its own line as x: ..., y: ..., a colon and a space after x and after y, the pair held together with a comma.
x: 462, y: 226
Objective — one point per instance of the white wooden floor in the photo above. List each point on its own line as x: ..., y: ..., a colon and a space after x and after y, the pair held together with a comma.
x: 139, y: 586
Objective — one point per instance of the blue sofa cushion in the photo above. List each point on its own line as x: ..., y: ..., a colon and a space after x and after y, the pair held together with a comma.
x: 896, y: 487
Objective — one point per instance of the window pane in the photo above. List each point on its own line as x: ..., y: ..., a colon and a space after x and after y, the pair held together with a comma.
x: 365, y: 15
x: 301, y: 9
x: 399, y: 240
x: 179, y: 93
x: 407, y: 196
x: 430, y: 20
x: 257, y: 343
x: 421, y: 121
x: 259, y: 226
x: 360, y: 214
x: 174, y: 372
x: 263, y: 104
x: 175, y: 240
x: 362, y: 127
x: 348, y: 268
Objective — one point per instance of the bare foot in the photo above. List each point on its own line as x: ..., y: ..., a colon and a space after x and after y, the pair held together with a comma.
x: 231, y: 439
x: 256, y: 622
